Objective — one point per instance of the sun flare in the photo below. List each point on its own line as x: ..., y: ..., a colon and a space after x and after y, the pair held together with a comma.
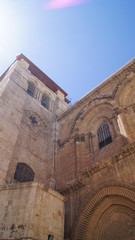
x: 55, y: 4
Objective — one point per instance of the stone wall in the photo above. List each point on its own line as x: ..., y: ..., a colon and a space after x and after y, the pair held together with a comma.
x: 62, y: 149
x: 29, y: 211
x: 28, y: 129
x: 82, y: 167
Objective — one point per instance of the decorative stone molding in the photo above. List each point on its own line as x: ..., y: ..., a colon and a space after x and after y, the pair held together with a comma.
x: 75, y: 120
x: 90, y: 135
x: 123, y: 75
x: 87, y: 172
x: 100, y: 97
x: 62, y: 143
x: 71, y: 187
x: 76, y: 138
x: 35, y: 123
x: 105, y: 197
x: 117, y: 111
x: 96, y: 167
x: 79, y: 138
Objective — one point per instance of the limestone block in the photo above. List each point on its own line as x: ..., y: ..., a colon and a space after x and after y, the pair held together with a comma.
x: 29, y: 211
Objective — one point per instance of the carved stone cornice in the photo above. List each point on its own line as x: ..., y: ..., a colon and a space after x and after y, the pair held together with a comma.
x: 76, y: 119
x: 71, y: 187
x: 126, y: 72
x: 88, y: 172
x: 79, y: 138
x: 126, y: 151
x: 117, y: 110
x: 62, y: 143
x: 90, y: 135
x: 76, y: 138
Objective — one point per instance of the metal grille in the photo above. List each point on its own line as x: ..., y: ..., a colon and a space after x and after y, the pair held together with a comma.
x: 104, y: 135
x: 23, y: 173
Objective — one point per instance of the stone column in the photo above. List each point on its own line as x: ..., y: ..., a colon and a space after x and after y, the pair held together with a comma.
x: 90, y: 141
x: 122, y: 122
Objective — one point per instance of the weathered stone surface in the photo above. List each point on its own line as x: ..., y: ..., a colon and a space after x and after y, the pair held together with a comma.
x: 28, y: 210
x: 66, y: 152
x: 83, y: 168
x: 28, y: 136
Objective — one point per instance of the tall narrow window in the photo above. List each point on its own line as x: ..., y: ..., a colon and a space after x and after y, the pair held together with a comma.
x: 104, y: 135
x: 31, y: 89
x: 23, y: 173
x: 45, y: 101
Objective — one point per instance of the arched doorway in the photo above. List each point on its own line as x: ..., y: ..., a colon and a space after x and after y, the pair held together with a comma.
x: 119, y: 226
x: 110, y: 214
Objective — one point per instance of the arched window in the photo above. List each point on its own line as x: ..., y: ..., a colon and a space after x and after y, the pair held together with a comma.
x: 31, y: 89
x: 45, y: 101
x: 104, y: 135
x: 23, y: 173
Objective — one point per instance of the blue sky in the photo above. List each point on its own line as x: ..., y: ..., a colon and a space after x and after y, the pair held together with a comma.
x: 78, y: 47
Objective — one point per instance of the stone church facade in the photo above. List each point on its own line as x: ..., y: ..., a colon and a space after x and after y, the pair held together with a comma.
x: 66, y: 173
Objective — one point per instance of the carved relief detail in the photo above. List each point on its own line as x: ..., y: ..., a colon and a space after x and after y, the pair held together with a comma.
x: 35, y: 123
x: 96, y: 167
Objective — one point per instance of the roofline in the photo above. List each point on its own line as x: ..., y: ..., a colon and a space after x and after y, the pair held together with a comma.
x: 42, y: 76
x: 38, y: 73
x: 113, y: 76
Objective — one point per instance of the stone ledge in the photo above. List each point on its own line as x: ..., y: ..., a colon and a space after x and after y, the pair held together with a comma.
x: 97, y: 167
x: 71, y: 187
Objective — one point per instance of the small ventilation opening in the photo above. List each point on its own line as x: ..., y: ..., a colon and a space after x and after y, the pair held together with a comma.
x: 50, y: 237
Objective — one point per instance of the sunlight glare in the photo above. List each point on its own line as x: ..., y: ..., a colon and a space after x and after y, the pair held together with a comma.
x: 55, y: 4
x: 10, y: 28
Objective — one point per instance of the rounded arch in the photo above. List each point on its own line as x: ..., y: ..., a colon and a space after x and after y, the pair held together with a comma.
x: 23, y: 173
x: 32, y: 88
x: 120, y: 210
x: 90, y: 120
x: 106, y: 201
x: 126, y: 111
x: 126, y: 92
x: 93, y: 115
x: 47, y: 99
x: 99, y: 103
x: 100, y: 113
